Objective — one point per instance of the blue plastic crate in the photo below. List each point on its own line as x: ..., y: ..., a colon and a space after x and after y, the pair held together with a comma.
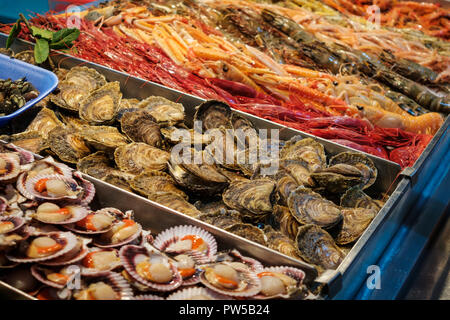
x: 43, y: 80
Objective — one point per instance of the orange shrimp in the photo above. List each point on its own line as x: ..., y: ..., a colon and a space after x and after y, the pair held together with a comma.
x: 427, y: 123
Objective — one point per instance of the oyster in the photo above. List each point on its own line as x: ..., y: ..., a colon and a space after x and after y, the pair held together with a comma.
x: 163, y: 110
x: 221, y: 219
x: 213, y: 114
x: 338, y: 178
x: 360, y: 161
x: 26, y: 55
x: 175, y: 202
x: 85, y: 77
x: 298, y: 169
x: 61, y: 73
x: 356, y: 198
x: 355, y: 221
x: 101, y: 105
x: 140, y: 126
x: 44, y: 122
x: 249, y: 232
x: 210, y: 207
x: 73, y: 121
x: 223, y: 149
x: 252, y: 198
x: 283, y: 220
x: 128, y: 104
x: 119, y: 179
x: 150, y: 182
x: 67, y: 144
x: 103, y: 138
x: 308, y: 150
x: 137, y: 157
x: 201, y: 177
x: 285, y: 185
x: 308, y: 207
x: 30, y: 140
x: 316, y: 246
x: 245, y: 132
x: 96, y: 164
x: 68, y: 96
x: 279, y: 242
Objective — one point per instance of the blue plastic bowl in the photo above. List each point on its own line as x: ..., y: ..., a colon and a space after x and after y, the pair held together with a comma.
x: 43, y: 80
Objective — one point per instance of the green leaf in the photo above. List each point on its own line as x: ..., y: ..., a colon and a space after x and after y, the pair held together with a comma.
x: 41, y: 50
x: 67, y: 36
x: 41, y: 33
x: 15, y: 30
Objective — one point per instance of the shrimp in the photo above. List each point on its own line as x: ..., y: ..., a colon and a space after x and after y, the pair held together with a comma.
x: 427, y: 123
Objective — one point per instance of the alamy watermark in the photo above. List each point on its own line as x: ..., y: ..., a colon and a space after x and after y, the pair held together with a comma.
x: 374, y: 279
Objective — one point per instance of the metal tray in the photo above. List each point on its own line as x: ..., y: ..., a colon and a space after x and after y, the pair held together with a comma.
x: 388, y: 179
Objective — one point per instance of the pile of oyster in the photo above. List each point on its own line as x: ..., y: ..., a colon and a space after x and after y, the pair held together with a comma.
x: 53, y: 245
x: 284, y: 195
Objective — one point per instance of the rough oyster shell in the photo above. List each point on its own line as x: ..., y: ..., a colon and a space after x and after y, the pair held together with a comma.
x: 85, y: 77
x: 252, y: 198
x: 316, y: 246
x: 308, y: 150
x: 101, y: 105
x: 283, y: 220
x: 141, y: 126
x: 119, y: 179
x: 356, y: 198
x: 203, y: 177
x: 338, y: 178
x: 221, y: 219
x: 29, y: 140
x: 355, y: 221
x: 137, y: 157
x: 249, y: 232
x: 213, y: 114
x: 163, y: 110
x: 96, y: 164
x: 210, y: 207
x: 298, y: 169
x: 44, y: 122
x: 67, y: 144
x: 128, y: 104
x: 244, y: 130
x: 360, y: 161
x: 285, y: 185
x: 103, y: 138
x: 175, y: 202
x: 68, y: 96
x: 279, y: 242
x: 150, y: 182
x: 131, y: 255
x: 308, y: 207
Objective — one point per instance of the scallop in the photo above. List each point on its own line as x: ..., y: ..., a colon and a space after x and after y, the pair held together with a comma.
x: 108, y: 286
x: 137, y: 157
x: 102, y: 104
x: 9, y: 166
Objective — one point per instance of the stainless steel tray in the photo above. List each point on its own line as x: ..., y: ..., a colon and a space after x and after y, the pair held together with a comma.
x: 388, y: 180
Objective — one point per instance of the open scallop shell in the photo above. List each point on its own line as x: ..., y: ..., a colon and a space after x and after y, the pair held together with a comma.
x: 12, y: 166
x: 73, y: 256
x: 131, y: 255
x: 24, y: 155
x: 39, y: 273
x: 77, y: 229
x: 18, y: 222
x: 293, y: 273
x: 100, y: 242
x: 68, y: 239
x: 200, y: 292
x: 76, y: 190
x: 116, y: 281
x: 171, y: 236
x: 148, y: 297
x: 77, y: 213
x: 88, y: 188
x: 85, y: 271
x: 250, y: 283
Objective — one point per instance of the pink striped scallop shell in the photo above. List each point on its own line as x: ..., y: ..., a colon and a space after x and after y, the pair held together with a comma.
x: 75, y: 190
x: 77, y: 213
x: 39, y: 272
x: 189, y: 293
x: 293, y: 273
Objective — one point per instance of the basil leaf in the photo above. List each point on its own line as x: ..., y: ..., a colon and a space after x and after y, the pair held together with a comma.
x: 15, y: 30
x: 60, y: 34
x: 41, y: 33
x: 67, y: 37
x: 41, y: 50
